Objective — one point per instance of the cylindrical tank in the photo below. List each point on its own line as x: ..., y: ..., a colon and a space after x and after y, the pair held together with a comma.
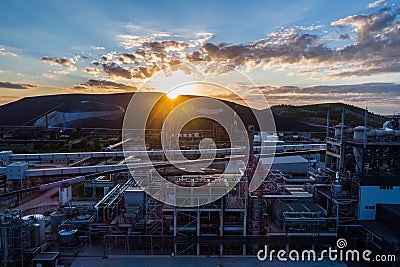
x: 35, y: 235
x: 56, y: 218
x: 37, y: 219
x: 68, y: 237
x: 359, y: 133
x: 337, y: 188
x: 338, y: 129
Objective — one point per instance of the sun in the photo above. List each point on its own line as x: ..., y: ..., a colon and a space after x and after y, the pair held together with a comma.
x: 173, y: 94
x: 182, y: 90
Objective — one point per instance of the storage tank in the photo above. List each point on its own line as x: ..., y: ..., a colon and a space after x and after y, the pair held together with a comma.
x: 35, y: 236
x: 134, y: 196
x: 37, y: 220
x: 68, y: 237
x: 359, y: 133
x: 56, y: 218
x: 337, y: 188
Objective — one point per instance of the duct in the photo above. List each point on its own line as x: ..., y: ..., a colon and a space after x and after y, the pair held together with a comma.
x: 359, y: 132
x: 288, y: 196
x: 62, y: 183
x: 321, y: 185
x: 299, y: 180
x: 233, y: 229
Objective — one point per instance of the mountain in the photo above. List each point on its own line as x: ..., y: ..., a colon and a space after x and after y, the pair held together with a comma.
x: 316, y: 114
x: 106, y: 111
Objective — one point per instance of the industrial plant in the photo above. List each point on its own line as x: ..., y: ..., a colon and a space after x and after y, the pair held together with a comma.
x: 342, y: 182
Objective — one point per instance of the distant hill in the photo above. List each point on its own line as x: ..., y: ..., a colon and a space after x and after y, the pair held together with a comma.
x: 316, y: 114
x: 28, y: 111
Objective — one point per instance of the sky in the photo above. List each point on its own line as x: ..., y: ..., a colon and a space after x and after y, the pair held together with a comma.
x: 296, y: 52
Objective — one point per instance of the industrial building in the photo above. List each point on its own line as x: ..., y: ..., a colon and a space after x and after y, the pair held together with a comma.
x: 297, y: 205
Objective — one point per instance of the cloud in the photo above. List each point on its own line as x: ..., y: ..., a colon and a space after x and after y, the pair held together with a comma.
x: 114, y: 70
x: 165, y: 45
x: 13, y: 85
x: 49, y: 75
x: 3, y: 52
x: 144, y: 72
x: 130, y: 41
x: 344, y: 36
x: 94, y: 71
x: 376, y: 48
x: 359, y: 94
x: 372, y: 26
x: 103, y: 84
x: 97, y: 48
x: 128, y: 58
x: 354, y: 46
x: 65, y: 62
x: 58, y: 61
x: 375, y: 4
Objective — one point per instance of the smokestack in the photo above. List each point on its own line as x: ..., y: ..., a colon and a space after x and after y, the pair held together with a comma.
x: 327, y: 124
x: 342, y: 128
x: 250, y: 133
x: 365, y: 127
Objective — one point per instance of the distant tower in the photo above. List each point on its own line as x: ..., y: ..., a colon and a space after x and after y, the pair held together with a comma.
x: 250, y: 133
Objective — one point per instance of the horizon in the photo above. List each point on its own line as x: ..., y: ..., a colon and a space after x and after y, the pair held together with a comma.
x: 298, y: 53
x: 271, y: 106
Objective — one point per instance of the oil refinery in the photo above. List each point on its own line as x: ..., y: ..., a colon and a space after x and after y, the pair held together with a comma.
x: 60, y: 207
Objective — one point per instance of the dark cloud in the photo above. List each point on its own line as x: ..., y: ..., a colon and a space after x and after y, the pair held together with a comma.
x: 140, y: 53
x: 105, y: 85
x: 127, y: 58
x: 92, y: 70
x: 376, y: 49
x: 12, y: 85
x: 114, y: 70
x: 95, y: 63
x: 59, y: 61
x: 165, y: 45
x: 195, y: 56
x: 274, y: 50
x: 344, y: 36
x: 144, y: 72
x: 368, y: 27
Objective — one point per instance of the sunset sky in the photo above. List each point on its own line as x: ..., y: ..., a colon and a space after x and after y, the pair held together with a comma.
x: 297, y: 52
